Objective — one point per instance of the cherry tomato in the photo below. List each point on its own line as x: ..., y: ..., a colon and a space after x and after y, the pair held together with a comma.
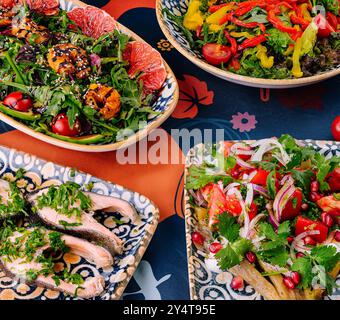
x: 232, y: 205
x: 61, y: 126
x: 293, y: 206
x: 333, y: 180
x: 332, y: 20
x: 304, y: 224
x: 197, y: 238
x: 16, y: 100
x: 216, y: 54
x: 325, y: 29
x: 335, y: 128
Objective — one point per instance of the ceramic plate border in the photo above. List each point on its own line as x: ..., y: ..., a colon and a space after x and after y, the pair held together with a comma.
x: 137, y: 237
x: 171, y: 102
x: 229, y: 76
x: 206, y: 285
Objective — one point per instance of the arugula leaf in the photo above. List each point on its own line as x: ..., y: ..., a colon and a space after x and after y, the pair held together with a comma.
x: 228, y: 227
x: 271, y: 181
x: 198, y: 178
x: 233, y: 254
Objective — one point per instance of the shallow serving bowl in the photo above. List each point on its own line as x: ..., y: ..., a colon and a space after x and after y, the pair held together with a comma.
x: 178, y: 40
x: 136, y: 238
x: 205, y: 284
x: 165, y: 105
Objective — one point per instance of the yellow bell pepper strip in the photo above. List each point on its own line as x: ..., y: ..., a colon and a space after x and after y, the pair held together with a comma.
x: 241, y: 34
x: 265, y: 61
x: 303, y: 45
x: 215, y: 27
x: 215, y: 17
x: 298, y: 20
x: 303, y: 11
x: 193, y: 18
x: 296, y: 70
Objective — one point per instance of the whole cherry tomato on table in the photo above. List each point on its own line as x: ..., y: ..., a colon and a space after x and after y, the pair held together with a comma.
x: 60, y: 125
x: 335, y: 128
x: 18, y: 101
x: 216, y: 53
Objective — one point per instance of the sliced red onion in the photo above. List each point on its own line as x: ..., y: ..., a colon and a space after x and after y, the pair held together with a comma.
x: 258, y: 155
x: 220, y: 184
x: 273, y: 220
x: 198, y: 197
x: 230, y: 186
x: 286, y: 178
x: 251, y: 175
x: 241, y: 148
x: 249, y: 196
x: 261, y: 190
x: 95, y: 60
x: 282, y: 197
x: 254, y: 222
x: 296, y: 242
x: 243, y: 164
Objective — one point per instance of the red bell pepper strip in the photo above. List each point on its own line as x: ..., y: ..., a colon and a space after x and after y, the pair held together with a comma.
x: 253, y: 42
x: 300, y: 21
x: 245, y: 8
x: 262, y: 27
x: 226, y: 18
x: 278, y: 24
x: 240, y: 23
x: 217, y: 7
x: 233, y: 43
x: 235, y: 64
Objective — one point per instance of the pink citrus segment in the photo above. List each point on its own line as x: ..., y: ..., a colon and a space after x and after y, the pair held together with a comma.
x: 92, y: 21
x: 143, y: 58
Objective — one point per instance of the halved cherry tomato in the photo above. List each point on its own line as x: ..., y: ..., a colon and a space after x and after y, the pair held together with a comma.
x: 233, y: 205
x: 18, y: 101
x: 217, y: 203
x: 216, y: 54
x: 335, y: 128
x: 293, y: 206
x: 260, y: 177
x: 304, y: 224
x: 332, y: 20
x: 325, y: 28
x: 61, y: 126
x: 333, y: 179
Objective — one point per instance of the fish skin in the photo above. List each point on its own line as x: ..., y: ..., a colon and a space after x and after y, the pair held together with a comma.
x: 92, y: 287
x: 90, y: 228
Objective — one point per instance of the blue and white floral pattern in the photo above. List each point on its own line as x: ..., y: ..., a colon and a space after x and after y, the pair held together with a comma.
x: 40, y: 173
x: 208, y: 285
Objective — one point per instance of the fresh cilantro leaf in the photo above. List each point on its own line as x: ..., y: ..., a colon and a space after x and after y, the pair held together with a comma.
x: 271, y: 180
x: 198, y: 177
x: 303, y: 179
x: 327, y: 256
x: 228, y: 227
x: 304, y: 267
x: 284, y: 229
x: 233, y: 254
x: 323, y: 168
x: 265, y: 165
x: 229, y: 163
x: 288, y: 142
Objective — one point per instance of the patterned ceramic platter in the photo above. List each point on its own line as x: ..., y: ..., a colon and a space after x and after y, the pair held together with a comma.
x: 207, y: 285
x: 178, y: 40
x: 136, y: 238
x: 164, y: 105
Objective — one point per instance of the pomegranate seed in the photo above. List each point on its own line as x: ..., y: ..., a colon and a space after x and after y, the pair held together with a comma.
x: 314, y: 196
x: 290, y: 239
x: 304, y: 206
x: 235, y: 173
x: 309, y: 241
x: 197, y: 238
x: 237, y: 283
x: 327, y: 219
x: 295, y: 277
x: 215, y: 247
x: 251, y: 257
x: 288, y: 282
x: 314, y: 186
x: 300, y: 255
x: 337, y: 236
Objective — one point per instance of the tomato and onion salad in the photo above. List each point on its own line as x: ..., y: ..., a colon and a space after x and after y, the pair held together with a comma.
x: 270, y: 191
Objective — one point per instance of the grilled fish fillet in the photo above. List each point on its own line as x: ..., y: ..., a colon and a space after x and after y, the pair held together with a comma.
x: 92, y: 287
x: 86, y: 225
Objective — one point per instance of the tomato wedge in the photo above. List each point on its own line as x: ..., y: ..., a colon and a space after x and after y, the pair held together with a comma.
x: 260, y: 177
x: 216, y: 54
x: 304, y: 224
x: 217, y: 202
x: 293, y: 206
x: 333, y: 180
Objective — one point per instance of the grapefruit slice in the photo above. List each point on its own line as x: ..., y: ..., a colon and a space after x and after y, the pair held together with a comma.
x: 145, y: 59
x: 92, y: 21
x: 46, y: 7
